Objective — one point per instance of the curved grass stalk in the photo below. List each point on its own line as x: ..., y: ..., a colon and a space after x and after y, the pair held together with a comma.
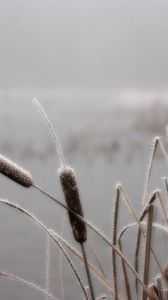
x: 131, y: 225
x: 27, y: 283
x: 20, y: 209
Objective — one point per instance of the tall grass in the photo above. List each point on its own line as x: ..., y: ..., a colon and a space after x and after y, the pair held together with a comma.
x: 138, y: 281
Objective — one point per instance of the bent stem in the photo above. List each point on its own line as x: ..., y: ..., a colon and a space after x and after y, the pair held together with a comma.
x: 32, y: 217
x: 27, y: 283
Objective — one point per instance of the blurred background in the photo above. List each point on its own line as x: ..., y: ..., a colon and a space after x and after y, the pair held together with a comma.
x: 100, y: 69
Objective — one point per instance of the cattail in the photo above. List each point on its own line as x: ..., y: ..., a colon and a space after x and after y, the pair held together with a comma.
x: 14, y: 172
x: 68, y: 183
x: 70, y: 190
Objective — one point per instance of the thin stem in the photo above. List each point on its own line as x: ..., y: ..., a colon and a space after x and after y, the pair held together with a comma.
x: 166, y: 184
x: 147, y: 249
x: 115, y: 226
x: 154, y: 147
x: 27, y: 283
x: 96, y: 258
x: 162, y: 206
x: 125, y: 274
x: 54, y: 135
x: 87, y: 271
x: 48, y: 253
x: 61, y: 262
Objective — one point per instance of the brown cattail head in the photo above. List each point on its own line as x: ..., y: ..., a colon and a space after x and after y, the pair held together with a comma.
x: 14, y: 172
x: 70, y: 190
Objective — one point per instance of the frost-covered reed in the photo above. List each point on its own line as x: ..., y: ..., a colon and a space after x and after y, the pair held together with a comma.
x: 145, y: 286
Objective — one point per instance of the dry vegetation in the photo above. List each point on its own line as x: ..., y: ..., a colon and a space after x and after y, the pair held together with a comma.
x: 137, y: 281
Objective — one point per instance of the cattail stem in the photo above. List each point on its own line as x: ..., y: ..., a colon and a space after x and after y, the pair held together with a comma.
x: 87, y: 271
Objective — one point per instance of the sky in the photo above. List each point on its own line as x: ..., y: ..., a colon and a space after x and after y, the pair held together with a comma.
x: 83, y: 43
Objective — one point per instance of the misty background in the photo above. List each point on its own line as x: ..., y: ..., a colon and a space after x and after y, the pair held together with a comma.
x: 80, y: 43
x: 100, y: 69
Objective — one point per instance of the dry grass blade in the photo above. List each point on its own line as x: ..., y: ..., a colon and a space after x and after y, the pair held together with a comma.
x: 32, y: 217
x: 162, y: 147
x: 136, y: 261
x: 96, y: 258
x: 138, y: 240
x: 166, y: 184
x: 125, y: 274
x: 115, y: 226
x: 154, y: 147
x: 48, y: 266
x: 27, y: 283
x: 162, y: 206
x: 148, y: 249
x: 61, y: 262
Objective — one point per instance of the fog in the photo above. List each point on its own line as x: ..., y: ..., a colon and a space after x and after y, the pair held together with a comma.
x: 92, y: 43
x: 99, y: 68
